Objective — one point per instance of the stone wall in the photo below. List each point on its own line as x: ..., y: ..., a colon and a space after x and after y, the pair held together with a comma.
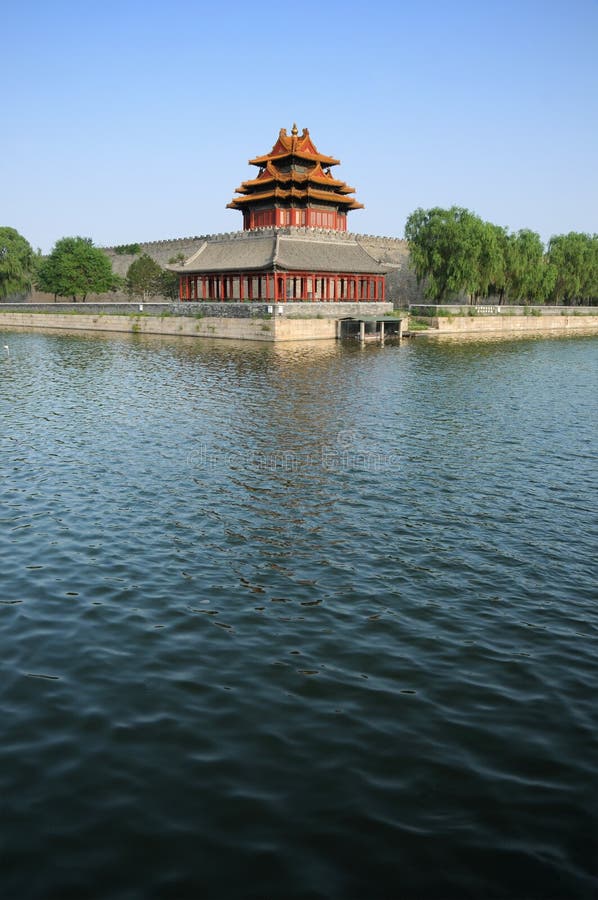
x: 226, y: 310
x: 240, y: 329
x: 448, y: 310
x: 510, y: 325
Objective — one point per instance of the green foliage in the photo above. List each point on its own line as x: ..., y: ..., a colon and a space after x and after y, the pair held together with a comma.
x: 455, y: 252
x: 128, y: 249
x: 118, y: 283
x: 75, y: 268
x: 144, y: 277
x: 573, y: 264
x: 169, y: 285
x: 16, y: 262
x: 527, y: 275
x: 179, y: 258
x: 418, y: 324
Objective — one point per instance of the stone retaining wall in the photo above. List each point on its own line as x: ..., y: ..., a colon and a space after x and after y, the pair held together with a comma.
x: 448, y: 310
x: 287, y: 328
x: 246, y: 329
x: 506, y: 325
x: 226, y: 310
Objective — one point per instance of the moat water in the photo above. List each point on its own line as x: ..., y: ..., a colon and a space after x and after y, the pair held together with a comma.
x: 298, y: 622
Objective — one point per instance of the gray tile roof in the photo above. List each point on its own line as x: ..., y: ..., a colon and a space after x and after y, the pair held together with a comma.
x: 325, y: 256
x: 232, y: 254
x: 302, y: 251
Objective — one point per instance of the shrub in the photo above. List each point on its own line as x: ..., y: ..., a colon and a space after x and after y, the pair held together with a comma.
x: 128, y: 249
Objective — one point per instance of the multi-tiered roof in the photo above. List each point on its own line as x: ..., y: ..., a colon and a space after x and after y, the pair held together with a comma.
x: 301, y: 256
x: 294, y: 187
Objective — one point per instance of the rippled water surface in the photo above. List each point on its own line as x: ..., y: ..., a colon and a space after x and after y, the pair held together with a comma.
x: 308, y: 622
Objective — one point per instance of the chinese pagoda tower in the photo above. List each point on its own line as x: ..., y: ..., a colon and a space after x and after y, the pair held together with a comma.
x: 294, y: 246
x: 294, y: 186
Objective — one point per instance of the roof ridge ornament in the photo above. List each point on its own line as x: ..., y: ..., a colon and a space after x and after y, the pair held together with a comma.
x: 294, y: 130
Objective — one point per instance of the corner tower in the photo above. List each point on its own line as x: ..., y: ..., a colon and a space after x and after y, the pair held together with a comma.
x: 294, y: 186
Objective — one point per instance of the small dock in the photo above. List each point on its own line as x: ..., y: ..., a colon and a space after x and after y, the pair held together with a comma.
x: 372, y: 329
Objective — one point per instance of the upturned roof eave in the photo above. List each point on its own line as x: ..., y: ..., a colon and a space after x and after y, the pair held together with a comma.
x: 302, y: 195
x: 288, y: 154
x: 280, y: 266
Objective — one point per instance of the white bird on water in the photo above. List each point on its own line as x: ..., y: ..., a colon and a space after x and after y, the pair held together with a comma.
x: 7, y: 348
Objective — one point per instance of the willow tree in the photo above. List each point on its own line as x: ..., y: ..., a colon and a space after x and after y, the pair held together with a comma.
x: 527, y: 275
x: 16, y: 262
x: 573, y: 261
x: 455, y: 252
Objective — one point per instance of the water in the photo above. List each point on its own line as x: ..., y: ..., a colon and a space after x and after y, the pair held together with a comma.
x: 308, y: 622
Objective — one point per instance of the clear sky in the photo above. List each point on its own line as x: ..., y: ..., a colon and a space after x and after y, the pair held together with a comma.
x: 132, y: 121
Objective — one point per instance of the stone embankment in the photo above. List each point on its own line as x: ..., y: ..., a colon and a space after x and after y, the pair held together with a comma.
x: 256, y: 328
x: 506, y: 321
x: 286, y: 322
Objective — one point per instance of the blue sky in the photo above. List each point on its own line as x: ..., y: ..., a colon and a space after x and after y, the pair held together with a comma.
x: 133, y: 121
